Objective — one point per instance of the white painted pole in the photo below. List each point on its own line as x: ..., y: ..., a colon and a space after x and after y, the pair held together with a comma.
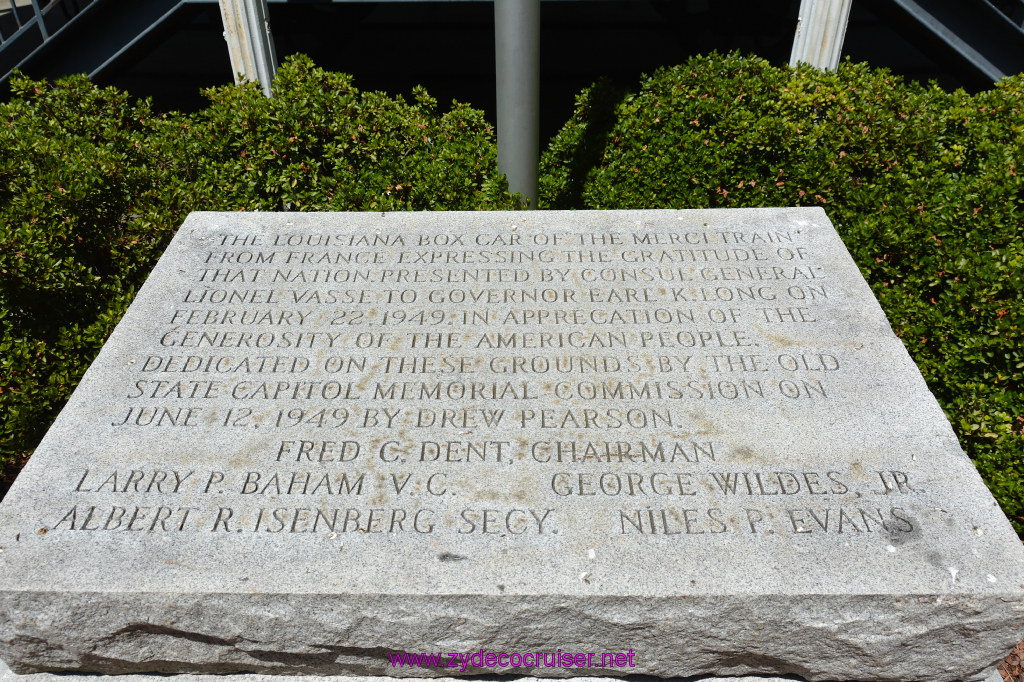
x: 236, y: 28
x: 250, y: 45
x: 820, y: 30
x: 517, y: 72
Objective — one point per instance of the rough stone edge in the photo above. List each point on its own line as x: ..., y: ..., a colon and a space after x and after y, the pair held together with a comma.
x: 994, y: 622
x: 6, y: 675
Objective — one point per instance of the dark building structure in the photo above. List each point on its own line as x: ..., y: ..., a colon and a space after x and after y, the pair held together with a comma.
x: 170, y: 49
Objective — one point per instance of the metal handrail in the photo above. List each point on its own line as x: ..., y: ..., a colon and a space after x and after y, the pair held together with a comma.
x: 1011, y: 9
x: 39, y: 20
x: 38, y: 17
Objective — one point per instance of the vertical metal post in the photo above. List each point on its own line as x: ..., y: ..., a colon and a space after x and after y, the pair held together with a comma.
x: 39, y: 17
x: 236, y: 29
x: 517, y: 72
x: 250, y: 45
x: 820, y: 30
x: 262, y: 43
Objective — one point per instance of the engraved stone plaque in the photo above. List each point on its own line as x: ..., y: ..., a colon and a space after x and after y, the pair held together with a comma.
x: 316, y: 439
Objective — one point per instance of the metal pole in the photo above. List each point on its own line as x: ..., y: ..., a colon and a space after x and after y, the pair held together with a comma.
x: 39, y: 17
x: 235, y: 31
x: 250, y: 45
x: 262, y: 43
x: 820, y: 30
x: 517, y: 73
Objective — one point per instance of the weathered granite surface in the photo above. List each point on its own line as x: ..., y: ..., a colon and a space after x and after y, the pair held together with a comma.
x: 7, y: 676
x: 319, y: 438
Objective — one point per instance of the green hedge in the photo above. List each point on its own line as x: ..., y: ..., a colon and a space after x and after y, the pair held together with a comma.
x: 93, y: 185
x: 926, y: 188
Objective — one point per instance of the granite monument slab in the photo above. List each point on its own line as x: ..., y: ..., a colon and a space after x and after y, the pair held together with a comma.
x: 317, y: 440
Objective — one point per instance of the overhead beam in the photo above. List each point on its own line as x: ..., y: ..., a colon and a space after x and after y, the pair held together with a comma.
x: 820, y: 30
x: 250, y: 44
x: 517, y: 75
